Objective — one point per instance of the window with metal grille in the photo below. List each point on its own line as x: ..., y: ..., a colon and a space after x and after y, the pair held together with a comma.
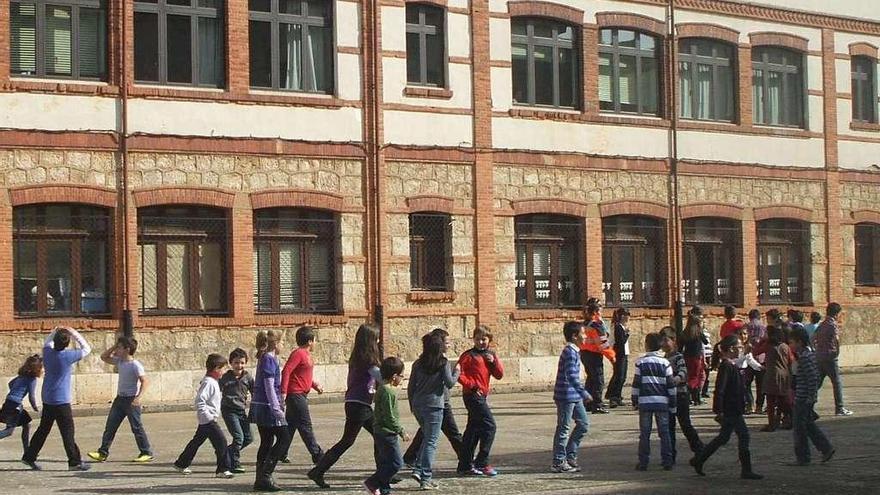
x: 633, y: 261
x: 61, y: 260
x: 867, y: 254
x: 712, y: 257
x: 294, y: 261
x: 425, y: 45
x: 179, y: 42
x: 58, y: 38
x: 182, y: 258
x: 707, y: 75
x: 783, y: 261
x: 291, y: 45
x: 629, y: 74
x: 430, y: 251
x: 864, y: 89
x: 778, y: 87
x: 545, y: 62
x: 549, y: 264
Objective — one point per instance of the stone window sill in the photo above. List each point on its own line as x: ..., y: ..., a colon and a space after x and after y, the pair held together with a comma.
x: 63, y: 86
x: 865, y: 126
x: 548, y: 114
x: 425, y: 92
x: 547, y: 314
x: 867, y: 291
x: 431, y: 296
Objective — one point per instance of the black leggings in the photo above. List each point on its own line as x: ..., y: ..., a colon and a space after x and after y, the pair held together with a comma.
x: 274, y: 441
x: 357, y: 416
x: 62, y: 415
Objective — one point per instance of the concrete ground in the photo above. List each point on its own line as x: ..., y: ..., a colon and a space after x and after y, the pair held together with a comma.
x: 521, y: 454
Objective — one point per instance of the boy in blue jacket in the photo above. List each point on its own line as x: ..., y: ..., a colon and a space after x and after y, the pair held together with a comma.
x: 571, y: 398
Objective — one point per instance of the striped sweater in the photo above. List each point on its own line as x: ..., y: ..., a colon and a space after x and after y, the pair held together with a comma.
x: 653, y: 388
x: 568, y: 386
x: 806, y: 376
x: 679, y: 371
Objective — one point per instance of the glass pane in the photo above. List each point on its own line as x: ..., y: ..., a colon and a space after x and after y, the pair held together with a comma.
x: 566, y: 34
x: 647, y: 42
x: 724, y: 99
x: 758, y: 96
x: 58, y: 216
x: 262, y: 264
x: 773, y: 270
x: 775, y: 56
x: 92, y: 43
x: 290, y: 6
x: 261, y: 54
x: 211, y: 52
x: 434, y: 58
x: 793, y: 280
x: 774, y: 98
x: 412, y: 13
x: 686, y: 90
x: 627, y: 85
x: 94, y: 297
x: 290, y: 273
x: 606, y: 101
x: 519, y: 59
x: 567, y: 78
x: 321, y: 57
x: 434, y: 17
x: 521, y: 270
x: 649, y: 87
x: 541, y: 271
x: 650, y: 292
x: 211, y: 273
x: 149, y: 277
x: 58, y: 41
x: 704, y: 92
x: 318, y: 8
x: 146, y: 47
x: 23, y: 42
x: 605, y: 37
x: 543, y: 28
x: 626, y: 38
x: 179, y: 49
x: 260, y: 5
x: 177, y: 272
x: 24, y: 261
x: 794, y: 103
x: 290, y: 46
x: 626, y: 270
x: 543, y: 75
x: 607, y: 276
x: 413, y: 58
x: 518, y: 27
x: 321, y: 290
x: 59, y: 278
x: 567, y: 284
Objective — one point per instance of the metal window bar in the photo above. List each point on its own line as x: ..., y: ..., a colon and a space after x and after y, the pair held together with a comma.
x: 783, y: 264
x: 634, y: 262
x: 430, y: 243
x: 710, y: 270
x: 549, y: 263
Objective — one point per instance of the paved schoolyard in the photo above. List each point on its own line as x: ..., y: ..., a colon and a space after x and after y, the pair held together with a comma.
x: 521, y: 453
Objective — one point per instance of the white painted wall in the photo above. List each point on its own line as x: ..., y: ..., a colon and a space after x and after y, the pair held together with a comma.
x: 57, y: 112
x: 393, y: 28
x: 816, y: 114
x: 458, y: 35
x: 853, y: 8
x: 843, y: 76
x: 763, y: 150
x: 348, y: 80
x: 858, y: 155
x: 544, y: 135
x: 348, y: 24
x: 394, y: 80
x: 502, y: 88
x: 843, y: 40
x: 746, y: 26
x: 499, y: 39
x: 428, y: 129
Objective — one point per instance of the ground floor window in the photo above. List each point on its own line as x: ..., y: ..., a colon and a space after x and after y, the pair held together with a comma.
x: 711, y: 260
x: 783, y: 261
x: 867, y: 238
x: 548, y: 261
x: 633, y: 261
x: 429, y: 251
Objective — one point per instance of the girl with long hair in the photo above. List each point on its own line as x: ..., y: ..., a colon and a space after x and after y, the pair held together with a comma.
x: 691, y: 344
x: 266, y: 410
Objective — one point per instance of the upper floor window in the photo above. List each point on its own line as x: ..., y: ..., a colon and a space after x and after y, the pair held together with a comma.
x: 712, y: 253
x: 58, y: 38
x: 294, y: 261
x: 868, y: 254
x: 545, y: 62
x: 707, y: 74
x: 61, y: 261
x: 633, y: 261
x: 548, y: 261
x: 629, y: 80
x: 182, y: 255
x: 864, y: 89
x: 425, y: 45
x: 291, y: 45
x: 778, y: 86
x: 429, y: 251
x: 783, y: 261
x: 179, y: 42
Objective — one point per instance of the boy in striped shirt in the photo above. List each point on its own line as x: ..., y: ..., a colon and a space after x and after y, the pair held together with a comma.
x: 653, y: 394
x: 806, y: 385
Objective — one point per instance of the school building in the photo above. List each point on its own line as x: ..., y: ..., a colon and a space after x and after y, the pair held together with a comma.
x: 196, y: 170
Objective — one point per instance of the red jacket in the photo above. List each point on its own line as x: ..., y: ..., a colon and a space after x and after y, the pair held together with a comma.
x: 476, y: 370
x: 296, y: 378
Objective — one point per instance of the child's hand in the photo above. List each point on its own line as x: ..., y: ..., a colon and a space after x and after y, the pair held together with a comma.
x: 319, y: 389
x: 405, y: 437
x: 136, y: 402
x: 490, y: 357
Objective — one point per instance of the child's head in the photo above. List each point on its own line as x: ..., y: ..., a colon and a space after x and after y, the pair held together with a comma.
x: 668, y: 343
x: 833, y: 310
x: 215, y: 362
x: 815, y: 317
x: 126, y: 346
x: 730, y: 347
x: 729, y: 312
x: 32, y: 367
x: 775, y: 335
x: 267, y: 341
x: 238, y: 359
x: 798, y: 339
x: 653, y: 341
x: 392, y: 370
x: 796, y: 316
x: 365, y: 351
x: 573, y: 331
x: 621, y: 315
x: 305, y: 336
x: 593, y: 308
x: 772, y: 315
x: 482, y: 337
x: 61, y: 339
x: 754, y: 314
x: 443, y: 334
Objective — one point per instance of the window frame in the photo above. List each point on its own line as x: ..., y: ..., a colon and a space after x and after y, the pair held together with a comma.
x: 872, y: 230
x: 615, y: 50
x: 794, y: 65
x: 424, y: 30
x: 555, y: 44
x: 432, y: 248
x: 275, y: 17
x: 614, y: 243
x: 162, y: 10
x: 715, y: 61
x: 787, y: 247
x: 550, y: 233
x: 40, y: 36
x: 859, y: 79
x: 723, y: 237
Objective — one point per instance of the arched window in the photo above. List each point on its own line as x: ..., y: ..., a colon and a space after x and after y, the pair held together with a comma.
x: 182, y: 255
x: 633, y: 261
x: 864, y: 89
x: 430, y: 251
x: 548, y: 261
x: 425, y: 45
x: 868, y: 254
x: 783, y: 261
x: 778, y: 86
x: 629, y: 74
x: 712, y: 260
x: 545, y: 62
x: 295, y: 261
x: 61, y: 260
x: 707, y: 74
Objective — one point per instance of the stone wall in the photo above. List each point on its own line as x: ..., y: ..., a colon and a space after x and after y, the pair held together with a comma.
x: 751, y: 192
x: 31, y: 166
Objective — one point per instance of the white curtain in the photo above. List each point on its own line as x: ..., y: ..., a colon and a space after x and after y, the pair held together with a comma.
x: 177, y: 277
x: 290, y: 272
x: 704, y: 92
x: 291, y: 53
x: 211, y: 53
x: 687, y: 110
x: 211, y: 276
x: 149, y: 278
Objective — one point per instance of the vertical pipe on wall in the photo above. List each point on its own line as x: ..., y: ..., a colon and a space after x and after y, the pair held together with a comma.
x: 126, y: 322
x: 674, y: 227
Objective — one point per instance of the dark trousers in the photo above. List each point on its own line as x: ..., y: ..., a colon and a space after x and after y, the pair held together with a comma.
x: 274, y: 442
x: 208, y: 431
x: 706, y: 383
x: 729, y: 424
x: 682, y: 416
x: 755, y: 401
x: 240, y: 428
x: 480, y: 430
x: 386, y: 450
x: 357, y: 416
x: 806, y: 431
x: 615, y: 386
x: 595, y: 377
x: 778, y: 407
x: 829, y: 367
x: 119, y: 410
x: 299, y: 420
x: 449, y: 428
x: 61, y: 414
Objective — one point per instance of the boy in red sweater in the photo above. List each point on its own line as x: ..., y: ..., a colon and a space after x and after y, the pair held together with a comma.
x: 296, y: 382
x: 477, y: 365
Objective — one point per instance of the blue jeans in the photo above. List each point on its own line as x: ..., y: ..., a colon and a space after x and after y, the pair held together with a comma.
x: 805, y: 431
x: 119, y: 410
x: 829, y: 367
x: 209, y: 431
x: 430, y: 420
x: 566, y: 442
x: 646, y: 420
x: 240, y: 428
x: 386, y: 450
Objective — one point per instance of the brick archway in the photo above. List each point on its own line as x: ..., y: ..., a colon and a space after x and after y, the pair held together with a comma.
x: 183, y: 195
x: 633, y: 207
x: 63, y: 194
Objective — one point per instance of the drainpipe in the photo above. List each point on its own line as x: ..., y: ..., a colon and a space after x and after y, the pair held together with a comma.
x: 672, y: 107
x: 126, y: 322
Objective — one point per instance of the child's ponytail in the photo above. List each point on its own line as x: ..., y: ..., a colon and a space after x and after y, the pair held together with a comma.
x: 266, y: 341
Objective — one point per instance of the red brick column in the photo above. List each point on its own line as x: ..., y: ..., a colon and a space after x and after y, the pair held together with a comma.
x: 238, y: 57
x: 744, y: 61
x: 593, y: 253
x: 749, y: 260
x: 4, y: 41
x: 590, y: 69
x: 241, y: 243
x: 832, y: 176
x: 7, y: 305
x: 134, y: 269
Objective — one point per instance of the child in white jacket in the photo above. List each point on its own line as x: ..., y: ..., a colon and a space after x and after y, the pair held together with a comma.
x: 208, y: 413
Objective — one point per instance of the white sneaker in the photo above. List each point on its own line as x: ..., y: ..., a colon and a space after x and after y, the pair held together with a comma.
x: 184, y: 471
x: 225, y: 475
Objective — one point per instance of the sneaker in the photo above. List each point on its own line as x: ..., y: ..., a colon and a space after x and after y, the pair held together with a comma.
x: 286, y: 460
x: 224, y: 475
x: 82, y: 466
x: 317, y: 478
x: 239, y: 470
x: 97, y: 456
x: 843, y: 412
x: 828, y: 455
x: 600, y: 410
x: 416, y: 477
x: 183, y: 470
x: 561, y: 467
x: 32, y: 465
x: 140, y: 458
x: 488, y: 471
x: 426, y: 485
x: 573, y: 464
x: 371, y: 489
x: 469, y: 472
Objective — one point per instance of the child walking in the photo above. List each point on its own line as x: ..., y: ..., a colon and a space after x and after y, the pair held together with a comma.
x: 777, y: 379
x: 386, y: 429
x: 58, y: 363
x: 571, y: 399
x: 127, y: 404
x: 806, y: 385
x: 682, y: 400
x: 207, y: 403
x: 729, y: 406
x: 267, y: 411
x: 13, y: 412
x: 692, y: 341
x: 654, y: 394
x: 237, y: 385
x: 619, y: 320
x: 297, y: 380
x: 478, y: 364
x: 593, y: 349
